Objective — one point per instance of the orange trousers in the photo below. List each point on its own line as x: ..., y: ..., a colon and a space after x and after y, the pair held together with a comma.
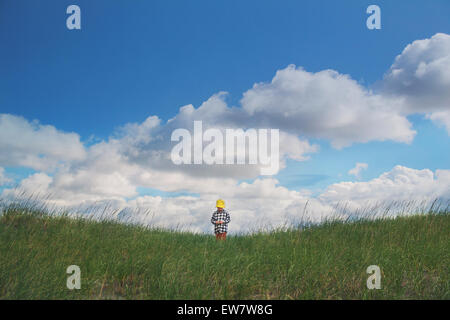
x: 221, y: 236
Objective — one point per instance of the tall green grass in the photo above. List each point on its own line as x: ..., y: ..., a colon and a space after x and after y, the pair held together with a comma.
x: 326, y: 261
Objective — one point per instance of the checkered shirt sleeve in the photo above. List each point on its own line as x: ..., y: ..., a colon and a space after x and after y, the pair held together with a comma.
x: 220, y: 216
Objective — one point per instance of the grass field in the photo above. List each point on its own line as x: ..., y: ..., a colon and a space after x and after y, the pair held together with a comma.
x: 327, y: 261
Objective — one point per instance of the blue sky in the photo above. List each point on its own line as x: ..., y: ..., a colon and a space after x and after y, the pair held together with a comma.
x: 134, y: 59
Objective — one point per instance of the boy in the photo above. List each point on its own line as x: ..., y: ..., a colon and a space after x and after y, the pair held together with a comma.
x: 220, y: 220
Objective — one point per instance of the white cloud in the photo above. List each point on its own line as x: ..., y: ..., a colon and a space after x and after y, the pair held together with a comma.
x: 3, y: 178
x: 37, y: 183
x: 441, y: 118
x: 34, y: 145
x: 359, y: 167
x: 326, y: 105
x: 262, y: 203
x: 303, y: 105
x: 420, y: 76
x: 399, y: 184
x: 154, y: 153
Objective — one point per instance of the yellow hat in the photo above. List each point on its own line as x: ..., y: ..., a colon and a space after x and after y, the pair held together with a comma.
x: 220, y: 203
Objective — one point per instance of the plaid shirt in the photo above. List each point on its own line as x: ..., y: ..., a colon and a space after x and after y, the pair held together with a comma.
x: 220, y: 216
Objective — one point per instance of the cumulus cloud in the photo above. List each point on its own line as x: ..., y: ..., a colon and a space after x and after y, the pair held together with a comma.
x: 333, y: 106
x: 420, y: 76
x: 302, y: 105
x: 359, y: 167
x: 150, y: 145
x: 3, y: 178
x: 401, y: 183
x: 265, y: 204
x: 441, y: 118
x: 261, y: 204
x: 326, y: 105
x: 37, y: 183
x: 37, y: 146
x: 257, y: 205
